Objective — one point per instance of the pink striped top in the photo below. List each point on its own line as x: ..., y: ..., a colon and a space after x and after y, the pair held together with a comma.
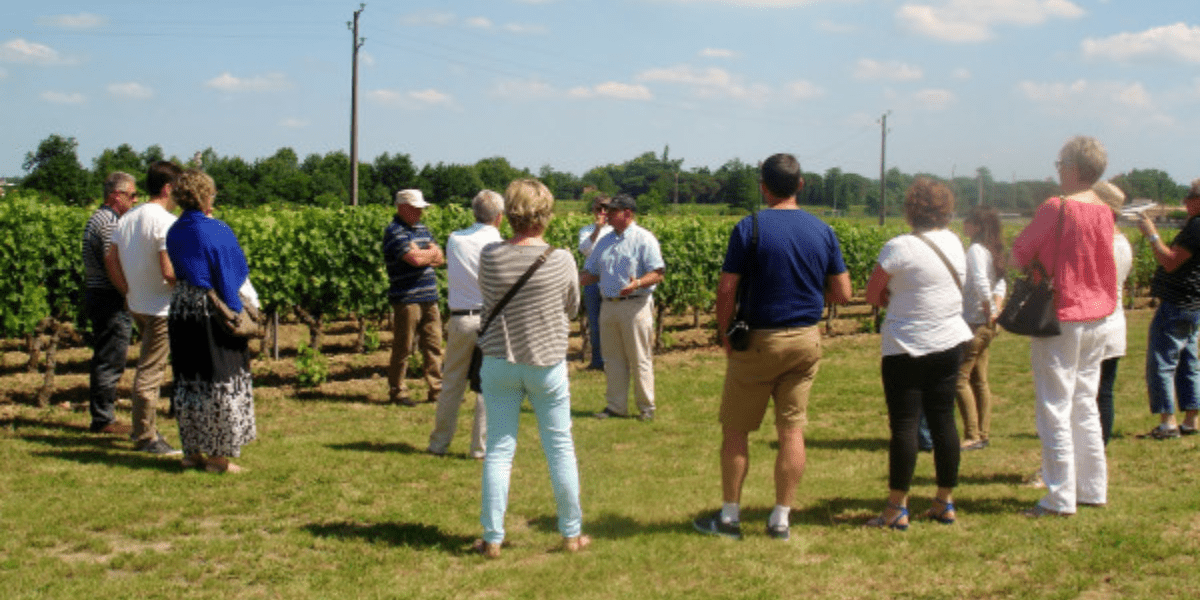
x: 1086, y: 277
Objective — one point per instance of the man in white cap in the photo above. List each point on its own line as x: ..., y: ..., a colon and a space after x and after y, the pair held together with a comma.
x: 411, y: 254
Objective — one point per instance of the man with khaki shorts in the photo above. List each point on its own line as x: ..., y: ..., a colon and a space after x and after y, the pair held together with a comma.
x: 138, y: 266
x: 792, y: 263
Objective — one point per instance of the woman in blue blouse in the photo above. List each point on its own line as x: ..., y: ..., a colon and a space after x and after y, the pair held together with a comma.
x: 214, y: 396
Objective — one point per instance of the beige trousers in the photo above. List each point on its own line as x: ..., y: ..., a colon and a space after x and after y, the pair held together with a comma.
x: 420, y: 322
x: 151, y: 365
x: 462, y: 333
x: 627, y: 344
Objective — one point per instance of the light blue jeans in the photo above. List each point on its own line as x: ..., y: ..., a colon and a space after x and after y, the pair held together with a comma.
x: 505, y: 386
x: 1172, y: 365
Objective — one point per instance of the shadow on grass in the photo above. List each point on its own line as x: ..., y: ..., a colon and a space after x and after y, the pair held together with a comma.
x: 863, y: 444
x: 115, y: 457
x: 16, y: 423
x: 412, y: 535
x: 398, y: 447
x: 327, y: 396
x: 613, y: 526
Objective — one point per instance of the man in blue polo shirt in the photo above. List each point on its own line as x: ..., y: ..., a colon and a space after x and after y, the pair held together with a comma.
x: 628, y: 264
x: 411, y: 255
x: 796, y: 266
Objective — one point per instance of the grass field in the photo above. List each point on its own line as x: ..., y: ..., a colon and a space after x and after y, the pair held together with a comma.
x: 339, y: 500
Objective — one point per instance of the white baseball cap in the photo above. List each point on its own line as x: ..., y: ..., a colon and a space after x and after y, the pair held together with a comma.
x: 412, y: 198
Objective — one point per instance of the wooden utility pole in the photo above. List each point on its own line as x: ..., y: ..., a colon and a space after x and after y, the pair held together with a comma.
x: 357, y: 43
x: 882, y: 171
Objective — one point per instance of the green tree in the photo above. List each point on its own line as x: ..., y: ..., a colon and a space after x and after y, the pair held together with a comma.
x: 391, y: 173
x: 739, y: 185
x: 562, y: 184
x: 451, y: 183
x: 495, y: 173
x: 279, y: 178
x: 123, y: 158
x: 54, y: 170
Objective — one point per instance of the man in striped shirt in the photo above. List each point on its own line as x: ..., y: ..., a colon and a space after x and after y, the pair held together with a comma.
x: 411, y: 254
x: 105, y: 305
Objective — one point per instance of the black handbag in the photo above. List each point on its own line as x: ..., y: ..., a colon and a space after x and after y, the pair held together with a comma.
x: 1031, y: 309
x: 738, y: 333
x: 473, y: 376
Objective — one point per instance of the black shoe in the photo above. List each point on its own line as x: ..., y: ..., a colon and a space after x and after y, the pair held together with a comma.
x: 404, y: 401
x: 779, y: 532
x: 158, y: 446
x: 607, y: 412
x: 1161, y: 433
x: 1185, y: 430
x: 713, y: 525
x: 646, y: 416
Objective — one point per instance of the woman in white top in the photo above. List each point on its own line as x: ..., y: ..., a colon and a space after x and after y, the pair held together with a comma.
x: 1114, y: 324
x: 924, y: 338
x: 983, y: 296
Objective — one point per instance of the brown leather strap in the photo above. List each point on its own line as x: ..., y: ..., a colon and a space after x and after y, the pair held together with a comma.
x: 945, y: 261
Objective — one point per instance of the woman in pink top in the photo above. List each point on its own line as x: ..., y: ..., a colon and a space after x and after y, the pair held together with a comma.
x: 1066, y: 368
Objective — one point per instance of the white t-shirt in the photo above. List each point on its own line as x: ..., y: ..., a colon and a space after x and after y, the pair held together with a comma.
x: 981, y: 286
x: 924, y: 312
x: 462, y: 265
x: 1113, y: 326
x: 139, y: 237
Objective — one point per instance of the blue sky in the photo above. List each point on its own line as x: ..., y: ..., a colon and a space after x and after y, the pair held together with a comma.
x: 581, y: 83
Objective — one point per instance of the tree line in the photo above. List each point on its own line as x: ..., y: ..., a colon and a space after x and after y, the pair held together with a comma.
x: 54, y: 172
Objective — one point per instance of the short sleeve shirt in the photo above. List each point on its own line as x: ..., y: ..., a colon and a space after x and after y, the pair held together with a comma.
x: 796, y: 254
x: 619, y: 258
x: 139, y: 237
x: 924, y: 313
x: 1182, y: 286
x: 406, y: 283
x: 96, y: 237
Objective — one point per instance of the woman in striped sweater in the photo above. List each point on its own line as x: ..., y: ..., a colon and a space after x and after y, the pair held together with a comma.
x: 524, y: 355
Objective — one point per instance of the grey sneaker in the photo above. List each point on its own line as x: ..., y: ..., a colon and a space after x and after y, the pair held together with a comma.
x: 158, y: 446
x: 646, y: 416
x: 713, y: 525
x: 608, y: 413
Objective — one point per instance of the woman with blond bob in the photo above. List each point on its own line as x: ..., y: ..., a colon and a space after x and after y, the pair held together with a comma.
x: 918, y: 278
x: 524, y: 356
x: 214, y: 395
x: 1071, y: 235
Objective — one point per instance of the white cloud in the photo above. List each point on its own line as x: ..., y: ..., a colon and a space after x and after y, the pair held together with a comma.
x: 831, y: 27
x: 891, y: 70
x: 366, y: 59
x: 974, y: 20
x: 79, y: 21
x: 708, y: 83
x: 523, y: 89
x: 271, y: 82
x: 293, y: 123
x: 3, y: 73
x: 612, y: 89
x: 804, y: 90
x: 131, y: 90
x: 63, y: 97
x: 1120, y: 103
x: 525, y: 29
x: 758, y: 3
x: 716, y: 53
x: 20, y: 50
x: 415, y: 99
x: 935, y: 99
x: 961, y: 73
x: 1175, y: 42
x: 479, y: 23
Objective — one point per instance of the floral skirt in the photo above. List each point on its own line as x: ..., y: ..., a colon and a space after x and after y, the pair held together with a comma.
x: 214, y: 393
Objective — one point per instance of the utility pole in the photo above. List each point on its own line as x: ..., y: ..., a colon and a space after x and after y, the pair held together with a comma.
x: 356, y: 43
x: 882, y: 172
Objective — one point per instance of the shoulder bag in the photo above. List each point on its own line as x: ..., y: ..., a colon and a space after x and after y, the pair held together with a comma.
x: 1031, y: 309
x: 473, y: 376
x: 242, y: 324
x: 739, y: 330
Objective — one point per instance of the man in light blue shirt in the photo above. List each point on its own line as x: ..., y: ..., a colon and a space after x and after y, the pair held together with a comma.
x: 627, y: 263
x: 465, y: 301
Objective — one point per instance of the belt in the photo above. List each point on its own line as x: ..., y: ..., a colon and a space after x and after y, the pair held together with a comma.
x: 465, y: 313
x: 620, y: 298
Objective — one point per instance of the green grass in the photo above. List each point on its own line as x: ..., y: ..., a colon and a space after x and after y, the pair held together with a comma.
x: 340, y: 502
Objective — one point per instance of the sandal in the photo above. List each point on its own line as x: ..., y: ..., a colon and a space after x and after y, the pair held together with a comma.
x: 577, y: 543
x: 486, y: 549
x: 221, y: 466
x: 192, y: 461
x: 944, y: 516
x: 880, y: 522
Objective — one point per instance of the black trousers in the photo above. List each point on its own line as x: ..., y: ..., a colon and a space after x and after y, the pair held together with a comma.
x: 912, y: 385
